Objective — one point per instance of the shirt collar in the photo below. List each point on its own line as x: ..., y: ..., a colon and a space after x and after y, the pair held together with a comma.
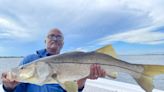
x: 43, y: 53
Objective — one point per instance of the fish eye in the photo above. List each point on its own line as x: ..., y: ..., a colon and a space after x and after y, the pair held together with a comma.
x: 21, y: 67
x: 54, y: 75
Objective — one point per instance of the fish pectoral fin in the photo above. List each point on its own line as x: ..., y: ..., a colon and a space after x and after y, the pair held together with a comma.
x: 107, y: 50
x: 61, y: 84
x: 113, y: 75
x: 70, y: 86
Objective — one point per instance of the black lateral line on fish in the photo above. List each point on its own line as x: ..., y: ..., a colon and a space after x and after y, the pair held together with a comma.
x: 106, y: 65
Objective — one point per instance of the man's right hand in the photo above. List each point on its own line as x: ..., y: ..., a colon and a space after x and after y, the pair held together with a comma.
x: 8, y: 84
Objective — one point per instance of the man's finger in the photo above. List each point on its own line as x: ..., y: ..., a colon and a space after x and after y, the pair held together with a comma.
x: 99, y: 70
x: 3, y: 75
x: 103, y: 74
x: 91, y: 71
x: 4, y: 78
x: 96, y: 72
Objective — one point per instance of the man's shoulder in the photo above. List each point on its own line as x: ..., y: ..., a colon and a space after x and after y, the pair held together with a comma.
x: 38, y: 54
x: 31, y: 57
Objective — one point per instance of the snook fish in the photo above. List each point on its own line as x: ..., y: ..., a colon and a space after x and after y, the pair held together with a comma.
x: 67, y: 67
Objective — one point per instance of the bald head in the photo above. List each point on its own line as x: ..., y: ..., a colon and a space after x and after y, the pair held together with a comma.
x: 55, y: 31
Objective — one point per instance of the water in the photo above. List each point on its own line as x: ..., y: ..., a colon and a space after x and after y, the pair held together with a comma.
x: 143, y: 59
x: 8, y: 63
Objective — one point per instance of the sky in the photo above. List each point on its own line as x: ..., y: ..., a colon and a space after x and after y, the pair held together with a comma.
x: 131, y: 26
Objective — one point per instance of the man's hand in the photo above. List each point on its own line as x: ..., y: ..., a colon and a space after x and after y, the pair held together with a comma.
x: 8, y: 84
x: 96, y: 71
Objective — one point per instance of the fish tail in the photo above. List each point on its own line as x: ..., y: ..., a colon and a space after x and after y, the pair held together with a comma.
x: 146, y: 79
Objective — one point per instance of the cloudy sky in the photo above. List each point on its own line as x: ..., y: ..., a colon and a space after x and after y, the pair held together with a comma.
x: 131, y: 26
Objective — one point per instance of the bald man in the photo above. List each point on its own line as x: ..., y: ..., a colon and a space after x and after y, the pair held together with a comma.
x: 54, y: 42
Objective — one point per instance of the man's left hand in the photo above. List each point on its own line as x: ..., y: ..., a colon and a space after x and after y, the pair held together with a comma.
x: 96, y: 71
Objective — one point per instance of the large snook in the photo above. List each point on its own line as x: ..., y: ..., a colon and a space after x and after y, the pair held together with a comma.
x: 76, y: 65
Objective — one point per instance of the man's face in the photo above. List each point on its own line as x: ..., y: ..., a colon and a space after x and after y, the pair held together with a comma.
x: 54, y: 41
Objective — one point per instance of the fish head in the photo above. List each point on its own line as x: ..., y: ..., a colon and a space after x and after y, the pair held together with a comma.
x: 36, y: 73
x: 21, y: 73
x: 25, y: 72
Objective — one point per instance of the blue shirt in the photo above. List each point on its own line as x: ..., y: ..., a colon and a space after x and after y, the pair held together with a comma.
x: 26, y: 87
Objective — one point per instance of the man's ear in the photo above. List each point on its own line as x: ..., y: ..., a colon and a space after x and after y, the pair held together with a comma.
x: 45, y: 41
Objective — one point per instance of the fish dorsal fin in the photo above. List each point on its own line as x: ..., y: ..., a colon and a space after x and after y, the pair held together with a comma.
x: 108, y: 49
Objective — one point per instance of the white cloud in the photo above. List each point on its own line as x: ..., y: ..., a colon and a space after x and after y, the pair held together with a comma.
x: 67, y: 13
x: 153, y: 7
x: 84, y: 48
x: 12, y: 30
x: 80, y: 19
x: 81, y: 49
x: 141, y: 36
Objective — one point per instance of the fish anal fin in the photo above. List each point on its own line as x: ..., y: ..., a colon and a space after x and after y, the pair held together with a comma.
x: 146, y: 83
x: 108, y: 49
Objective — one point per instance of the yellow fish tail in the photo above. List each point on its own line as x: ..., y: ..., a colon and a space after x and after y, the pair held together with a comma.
x: 146, y: 79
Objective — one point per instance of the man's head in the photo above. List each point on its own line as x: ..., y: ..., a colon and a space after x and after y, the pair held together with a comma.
x: 54, y: 41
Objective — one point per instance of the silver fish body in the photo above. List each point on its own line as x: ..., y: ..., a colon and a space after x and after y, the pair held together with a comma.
x: 76, y: 65
x: 72, y: 66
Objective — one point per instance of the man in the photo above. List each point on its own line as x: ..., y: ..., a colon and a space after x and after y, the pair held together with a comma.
x: 54, y: 42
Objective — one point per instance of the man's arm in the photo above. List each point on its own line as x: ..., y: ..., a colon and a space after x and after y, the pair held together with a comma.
x: 95, y: 72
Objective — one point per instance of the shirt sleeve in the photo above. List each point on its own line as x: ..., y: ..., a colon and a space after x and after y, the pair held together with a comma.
x: 28, y: 59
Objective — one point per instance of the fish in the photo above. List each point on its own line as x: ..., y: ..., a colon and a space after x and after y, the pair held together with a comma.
x: 68, y: 67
